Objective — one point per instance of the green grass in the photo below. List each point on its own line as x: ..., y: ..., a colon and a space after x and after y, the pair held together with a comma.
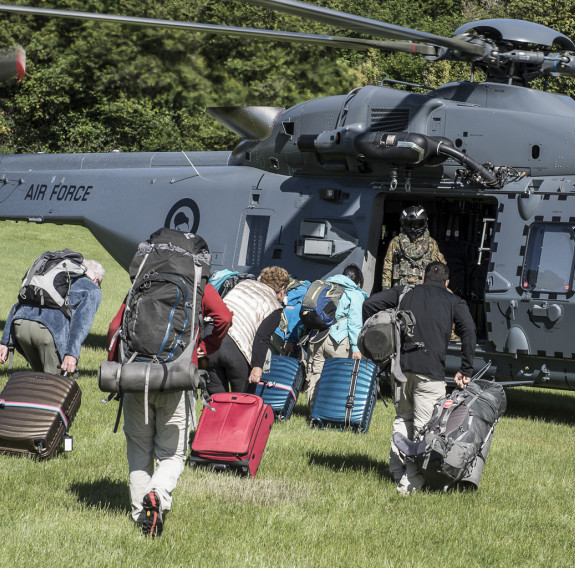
x: 321, y: 499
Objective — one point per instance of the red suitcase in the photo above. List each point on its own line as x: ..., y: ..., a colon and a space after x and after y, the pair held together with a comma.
x: 36, y: 411
x: 234, y: 434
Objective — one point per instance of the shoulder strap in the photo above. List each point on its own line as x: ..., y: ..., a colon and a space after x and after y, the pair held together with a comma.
x: 406, y: 289
x: 351, y: 394
x: 396, y: 358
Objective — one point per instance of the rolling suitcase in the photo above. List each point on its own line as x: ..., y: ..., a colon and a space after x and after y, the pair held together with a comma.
x: 36, y: 411
x: 232, y: 433
x: 346, y: 395
x: 282, y: 385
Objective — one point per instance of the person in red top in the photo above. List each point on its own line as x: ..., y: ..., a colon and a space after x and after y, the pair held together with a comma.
x: 215, y: 308
x: 163, y: 440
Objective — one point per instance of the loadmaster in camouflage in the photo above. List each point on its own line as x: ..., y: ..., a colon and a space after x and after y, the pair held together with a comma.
x: 405, y: 260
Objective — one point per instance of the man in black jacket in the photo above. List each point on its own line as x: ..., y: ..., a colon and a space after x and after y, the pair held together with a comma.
x: 435, y: 310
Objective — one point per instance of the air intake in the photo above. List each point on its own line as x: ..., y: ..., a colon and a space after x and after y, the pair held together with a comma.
x: 389, y: 120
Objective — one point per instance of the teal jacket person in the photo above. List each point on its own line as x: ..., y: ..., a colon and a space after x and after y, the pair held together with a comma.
x: 349, y: 312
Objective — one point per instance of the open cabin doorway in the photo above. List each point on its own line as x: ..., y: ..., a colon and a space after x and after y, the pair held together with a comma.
x: 463, y: 229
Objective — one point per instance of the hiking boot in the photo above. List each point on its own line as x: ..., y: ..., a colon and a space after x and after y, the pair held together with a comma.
x: 152, y: 525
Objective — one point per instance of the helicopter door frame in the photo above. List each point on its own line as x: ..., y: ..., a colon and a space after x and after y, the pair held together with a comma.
x: 372, y: 244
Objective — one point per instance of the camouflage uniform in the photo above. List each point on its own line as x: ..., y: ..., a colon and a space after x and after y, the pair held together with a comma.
x: 405, y: 261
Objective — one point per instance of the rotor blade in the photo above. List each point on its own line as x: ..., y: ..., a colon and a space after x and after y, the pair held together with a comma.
x: 366, y: 25
x: 12, y: 63
x: 357, y: 44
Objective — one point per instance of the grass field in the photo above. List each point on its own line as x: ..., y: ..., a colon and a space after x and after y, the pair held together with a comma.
x: 321, y: 499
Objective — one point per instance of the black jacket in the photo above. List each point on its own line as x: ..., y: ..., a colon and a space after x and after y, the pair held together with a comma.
x: 435, y: 310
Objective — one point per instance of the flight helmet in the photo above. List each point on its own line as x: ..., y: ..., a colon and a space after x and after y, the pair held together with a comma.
x: 414, y: 221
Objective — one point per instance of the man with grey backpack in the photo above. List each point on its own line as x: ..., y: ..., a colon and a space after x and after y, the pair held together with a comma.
x: 56, y: 307
x: 422, y: 358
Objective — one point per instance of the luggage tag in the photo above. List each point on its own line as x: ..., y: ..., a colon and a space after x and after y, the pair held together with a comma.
x: 68, y: 443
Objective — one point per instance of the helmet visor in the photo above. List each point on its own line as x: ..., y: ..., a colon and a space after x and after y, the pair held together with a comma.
x: 414, y: 223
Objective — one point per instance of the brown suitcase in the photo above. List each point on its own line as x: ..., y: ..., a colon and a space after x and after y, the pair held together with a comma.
x: 36, y: 411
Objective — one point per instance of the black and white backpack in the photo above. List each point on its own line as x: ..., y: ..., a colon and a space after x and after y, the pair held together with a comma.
x: 48, y: 281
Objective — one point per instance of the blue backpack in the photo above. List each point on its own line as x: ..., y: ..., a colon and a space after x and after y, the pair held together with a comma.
x: 320, y: 304
x: 290, y: 326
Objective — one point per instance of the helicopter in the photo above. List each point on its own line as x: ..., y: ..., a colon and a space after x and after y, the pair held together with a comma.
x: 322, y: 184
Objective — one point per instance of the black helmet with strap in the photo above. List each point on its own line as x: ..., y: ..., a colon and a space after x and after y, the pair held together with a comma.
x: 414, y: 221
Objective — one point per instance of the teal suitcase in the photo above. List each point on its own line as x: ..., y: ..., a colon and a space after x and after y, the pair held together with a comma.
x: 346, y: 395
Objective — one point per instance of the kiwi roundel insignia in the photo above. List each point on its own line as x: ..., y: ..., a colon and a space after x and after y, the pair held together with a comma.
x: 184, y: 216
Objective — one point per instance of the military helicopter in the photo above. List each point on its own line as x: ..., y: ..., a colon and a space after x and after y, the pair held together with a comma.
x: 320, y: 185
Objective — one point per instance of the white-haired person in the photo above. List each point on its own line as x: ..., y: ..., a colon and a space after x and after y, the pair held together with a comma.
x: 49, y: 340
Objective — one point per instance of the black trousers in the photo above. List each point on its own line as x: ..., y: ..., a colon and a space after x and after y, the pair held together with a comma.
x: 228, y: 370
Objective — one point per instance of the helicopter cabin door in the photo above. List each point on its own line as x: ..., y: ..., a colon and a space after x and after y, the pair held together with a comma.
x: 529, y: 303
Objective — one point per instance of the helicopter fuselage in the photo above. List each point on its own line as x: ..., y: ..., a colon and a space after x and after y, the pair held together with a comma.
x: 326, y: 186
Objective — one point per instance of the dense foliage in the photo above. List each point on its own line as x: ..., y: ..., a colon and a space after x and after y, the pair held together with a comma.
x: 94, y: 87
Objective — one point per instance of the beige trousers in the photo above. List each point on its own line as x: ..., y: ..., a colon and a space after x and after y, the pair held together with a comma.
x: 414, y: 402
x: 162, y: 442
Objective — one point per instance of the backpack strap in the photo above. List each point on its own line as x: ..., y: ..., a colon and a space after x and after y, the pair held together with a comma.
x: 193, y: 394
x: 351, y: 394
x: 396, y: 359
x: 120, y: 399
x: 146, y: 388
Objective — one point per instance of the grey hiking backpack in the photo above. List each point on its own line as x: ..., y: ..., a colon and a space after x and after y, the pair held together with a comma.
x: 162, y: 316
x: 47, y: 282
x: 381, y: 335
x: 453, y: 445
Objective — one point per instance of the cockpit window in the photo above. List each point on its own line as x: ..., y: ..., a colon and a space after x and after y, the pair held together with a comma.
x: 550, y: 258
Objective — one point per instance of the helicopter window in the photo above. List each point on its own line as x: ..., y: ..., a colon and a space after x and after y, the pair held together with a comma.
x: 289, y: 128
x: 550, y: 258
